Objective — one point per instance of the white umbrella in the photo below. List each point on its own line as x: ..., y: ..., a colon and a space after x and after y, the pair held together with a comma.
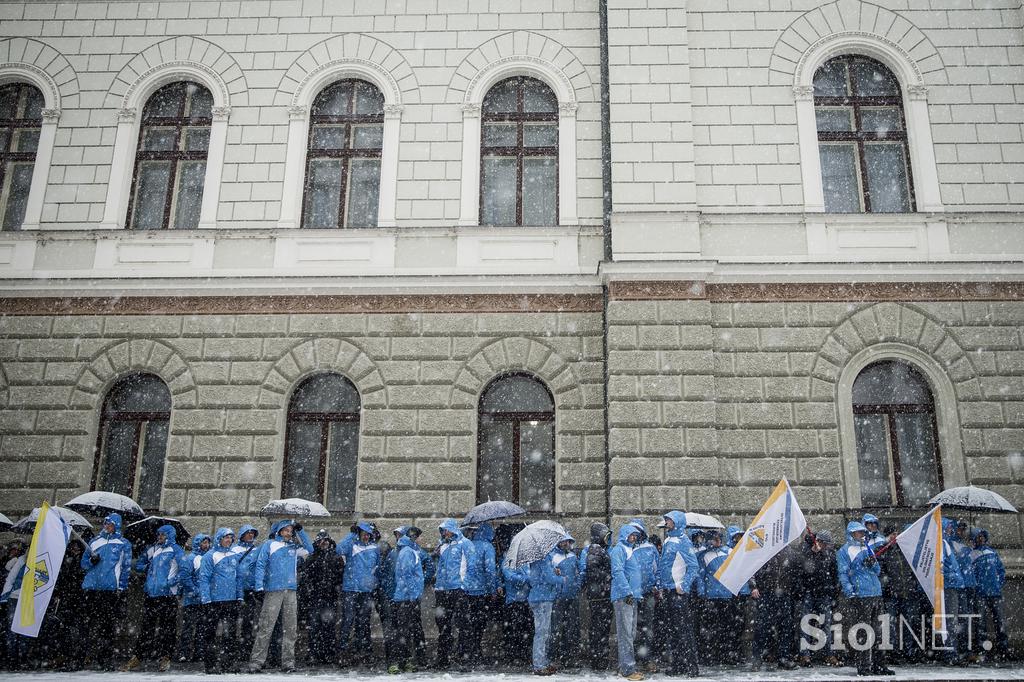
x: 101, y: 503
x: 72, y: 518
x: 695, y: 520
x: 534, y: 543
x: 294, y: 506
x: 5, y: 522
x: 974, y: 499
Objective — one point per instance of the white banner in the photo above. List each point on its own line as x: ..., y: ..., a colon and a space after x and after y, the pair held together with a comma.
x: 778, y: 523
x: 922, y: 545
x: 42, y: 566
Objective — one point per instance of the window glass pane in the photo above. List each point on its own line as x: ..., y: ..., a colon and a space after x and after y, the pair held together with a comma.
x: 118, y: 446
x: 540, y: 135
x: 516, y: 394
x: 538, y: 98
x: 159, y: 139
x: 880, y: 120
x: 498, y: 193
x: 33, y: 104
x: 495, y: 466
x: 871, y: 79
x: 151, y: 194
x: 369, y: 101
x: 367, y: 136
x: 325, y: 393
x: 189, y: 197
x: 328, y: 137
x: 830, y: 80
x: 4, y: 139
x: 151, y: 475
x: 302, y: 478
x: 363, y: 193
x: 197, y: 139
x: 887, y: 177
x: 838, y: 119
x: 139, y: 393
x: 890, y: 383
x: 840, y: 178
x: 323, y: 193
x: 334, y: 101
x: 502, y: 98
x: 916, y: 438
x: 200, y: 102
x: 539, y: 191
x: 342, y: 462
x: 9, y: 101
x: 18, y: 181
x: 500, y: 135
x: 26, y: 140
x: 537, y: 465
x: 873, y: 460
x: 167, y: 102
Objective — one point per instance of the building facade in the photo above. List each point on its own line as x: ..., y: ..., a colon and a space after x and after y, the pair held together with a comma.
x: 397, y: 257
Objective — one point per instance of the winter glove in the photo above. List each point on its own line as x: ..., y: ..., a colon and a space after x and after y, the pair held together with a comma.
x: 629, y: 600
x: 870, y: 561
x: 297, y: 527
x: 94, y: 558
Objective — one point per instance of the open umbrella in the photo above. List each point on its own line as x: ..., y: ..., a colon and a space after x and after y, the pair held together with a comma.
x: 974, y: 499
x: 534, y: 543
x: 695, y: 520
x: 491, y: 511
x: 5, y: 522
x: 144, y: 532
x: 294, y: 506
x: 27, y: 525
x: 101, y: 503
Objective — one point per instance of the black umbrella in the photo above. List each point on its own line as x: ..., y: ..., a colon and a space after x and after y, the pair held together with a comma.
x: 144, y: 532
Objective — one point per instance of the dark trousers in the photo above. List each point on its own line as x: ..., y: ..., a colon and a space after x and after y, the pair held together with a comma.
x: 774, y: 632
x: 220, y: 625
x: 355, y: 618
x: 451, y: 617
x: 643, y: 645
x: 191, y: 645
x: 866, y: 610
x: 681, y: 642
x: 721, y: 625
x: 517, y: 632
x: 404, y: 615
x: 104, y: 611
x: 323, y: 617
x: 478, y: 609
x: 993, y: 607
x: 565, y: 632
x: 249, y: 619
x: 601, y: 613
x: 420, y: 635
x: 159, y: 628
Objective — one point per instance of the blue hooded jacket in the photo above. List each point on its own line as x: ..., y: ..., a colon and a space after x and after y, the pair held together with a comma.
x: 517, y: 584
x: 482, y: 578
x: 962, y: 551
x: 545, y: 584
x: 646, y: 558
x: 248, y: 552
x: 857, y: 579
x: 115, y: 560
x: 362, y: 561
x: 190, y: 570
x: 952, y: 573
x: 989, y: 573
x: 163, y: 565
x: 408, y: 570
x: 710, y: 560
x: 677, y: 567
x: 626, y: 580
x: 218, y: 578
x: 277, y: 564
x: 568, y: 565
x: 455, y: 556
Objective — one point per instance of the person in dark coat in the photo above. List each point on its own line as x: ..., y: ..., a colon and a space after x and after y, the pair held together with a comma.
x: 319, y: 592
x: 817, y: 587
x: 773, y: 587
x: 596, y: 575
x: 65, y: 648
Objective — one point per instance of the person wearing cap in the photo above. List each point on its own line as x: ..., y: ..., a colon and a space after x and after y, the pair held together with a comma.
x: 647, y: 559
x: 736, y: 607
x: 990, y: 576
x: 276, y: 575
x: 627, y: 591
x: 517, y: 621
x: 384, y: 596
x: 249, y: 611
x: 961, y: 545
x: 545, y: 583
x: 482, y: 587
x: 361, y: 555
x: 163, y: 564
x: 596, y: 578
x: 874, y: 538
x: 817, y: 585
x: 858, y: 571
x: 220, y: 591
x: 953, y: 590
x: 405, y: 607
x: 191, y: 645
x: 677, y: 569
x: 455, y: 554
x: 319, y: 593
x: 107, y: 565
x: 564, y: 646
x: 720, y: 632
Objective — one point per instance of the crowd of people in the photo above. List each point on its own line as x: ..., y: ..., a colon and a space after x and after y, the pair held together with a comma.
x: 234, y: 602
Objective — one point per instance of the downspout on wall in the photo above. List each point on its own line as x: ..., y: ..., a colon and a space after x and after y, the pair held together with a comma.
x: 606, y: 224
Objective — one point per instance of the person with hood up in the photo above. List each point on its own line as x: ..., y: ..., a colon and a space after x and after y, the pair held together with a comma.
x: 596, y: 578
x: 66, y: 644
x: 249, y: 611
x: 482, y: 586
x: 517, y: 633
x: 677, y: 569
x: 565, y: 614
x: 320, y: 579
x: 647, y: 559
x: 817, y: 583
x: 989, y: 576
x: 545, y: 584
x: 361, y: 554
x: 191, y: 644
x: 874, y: 538
x: 163, y: 564
x: 626, y: 593
x: 961, y: 546
x: 107, y: 565
x: 953, y: 591
x: 221, y: 591
x: 276, y: 575
x: 408, y: 589
x: 427, y: 562
x: 455, y: 554
x: 858, y: 571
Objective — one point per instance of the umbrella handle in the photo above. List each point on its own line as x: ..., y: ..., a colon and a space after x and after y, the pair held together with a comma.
x: 82, y: 540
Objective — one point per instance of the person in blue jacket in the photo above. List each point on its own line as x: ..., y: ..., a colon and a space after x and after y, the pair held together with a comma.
x: 953, y: 591
x: 482, y: 587
x: 545, y: 584
x: 163, y: 563
x: 249, y: 611
x: 220, y: 586
x: 517, y: 630
x: 989, y: 576
x: 408, y: 589
x: 677, y: 569
x: 276, y: 575
x: 565, y: 616
x: 721, y: 618
x: 16, y: 649
x: 191, y: 644
x: 627, y: 591
x: 960, y: 543
x: 647, y: 558
x: 361, y: 555
x: 107, y: 565
x: 455, y: 554
x: 858, y: 571
x: 427, y: 562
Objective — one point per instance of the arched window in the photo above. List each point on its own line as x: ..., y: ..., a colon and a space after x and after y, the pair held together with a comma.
x: 346, y: 137
x: 519, y: 152
x: 897, y: 438
x: 21, y: 120
x: 133, y: 439
x: 516, y: 443
x: 170, y: 164
x: 322, y: 442
x: 862, y: 137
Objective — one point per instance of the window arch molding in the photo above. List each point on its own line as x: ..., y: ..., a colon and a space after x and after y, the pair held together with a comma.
x: 129, y: 120
x: 17, y: 72
x: 950, y: 447
x: 915, y: 107
x: 554, y: 78
x: 298, y: 130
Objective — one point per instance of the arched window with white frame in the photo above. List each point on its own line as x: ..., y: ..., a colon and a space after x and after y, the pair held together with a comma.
x: 21, y: 122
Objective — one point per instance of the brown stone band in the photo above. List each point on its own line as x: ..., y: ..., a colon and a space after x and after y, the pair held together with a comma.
x: 806, y: 292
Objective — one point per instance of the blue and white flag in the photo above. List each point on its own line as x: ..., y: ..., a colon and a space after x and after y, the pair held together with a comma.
x: 922, y: 545
x: 42, y: 566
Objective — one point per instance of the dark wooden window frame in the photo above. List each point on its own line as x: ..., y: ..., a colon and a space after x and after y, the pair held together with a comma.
x: 140, y: 418
x: 175, y: 156
x: 324, y: 419
x: 889, y: 413
x: 11, y: 126
x: 519, y: 151
x: 516, y: 419
x: 347, y: 153
x: 860, y: 137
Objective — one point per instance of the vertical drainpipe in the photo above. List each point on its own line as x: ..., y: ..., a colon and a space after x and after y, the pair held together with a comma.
x: 606, y: 231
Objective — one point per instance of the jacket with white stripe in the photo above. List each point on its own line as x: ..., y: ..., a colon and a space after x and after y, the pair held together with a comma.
x: 218, y: 578
x: 677, y: 567
x: 277, y: 564
x: 454, y: 559
x: 163, y: 565
x: 113, y: 560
